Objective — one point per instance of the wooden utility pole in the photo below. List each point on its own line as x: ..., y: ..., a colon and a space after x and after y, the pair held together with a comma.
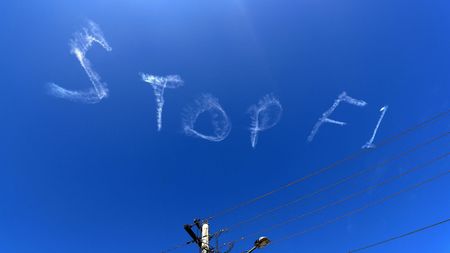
x: 205, y: 237
x: 203, y: 241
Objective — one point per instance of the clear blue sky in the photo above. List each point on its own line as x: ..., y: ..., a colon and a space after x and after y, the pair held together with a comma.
x: 100, y: 178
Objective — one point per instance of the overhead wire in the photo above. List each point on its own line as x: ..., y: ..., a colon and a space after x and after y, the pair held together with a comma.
x: 338, y: 182
x: 400, y: 236
x: 364, y: 207
x: 322, y: 170
x: 433, y: 119
x: 175, y: 247
x: 344, y: 199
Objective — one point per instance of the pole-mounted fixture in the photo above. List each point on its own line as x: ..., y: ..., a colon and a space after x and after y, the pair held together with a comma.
x: 191, y: 233
x: 259, y: 244
x: 202, y: 241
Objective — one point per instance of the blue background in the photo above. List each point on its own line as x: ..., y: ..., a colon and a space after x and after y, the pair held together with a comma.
x: 100, y: 178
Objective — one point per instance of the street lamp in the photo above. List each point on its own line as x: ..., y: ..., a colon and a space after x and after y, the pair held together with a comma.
x: 259, y: 244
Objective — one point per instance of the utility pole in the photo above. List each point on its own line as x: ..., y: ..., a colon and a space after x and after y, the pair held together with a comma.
x: 205, y: 237
x: 203, y: 241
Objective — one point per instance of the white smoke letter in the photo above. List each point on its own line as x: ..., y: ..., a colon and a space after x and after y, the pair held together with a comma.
x: 343, y: 97
x: 370, y: 144
x: 220, y: 121
x: 159, y: 84
x: 264, y: 115
x: 80, y: 44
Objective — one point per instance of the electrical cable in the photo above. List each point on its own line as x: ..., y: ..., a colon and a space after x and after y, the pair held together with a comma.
x: 175, y: 247
x: 400, y: 236
x: 350, y: 157
x: 337, y: 183
x: 364, y: 207
x: 344, y: 199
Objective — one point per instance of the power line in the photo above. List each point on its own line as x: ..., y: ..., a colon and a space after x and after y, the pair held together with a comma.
x: 400, y: 236
x: 350, y: 157
x: 178, y: 246
x: 337, y: 183
x: 346, y: 198
x: 364, y: 207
